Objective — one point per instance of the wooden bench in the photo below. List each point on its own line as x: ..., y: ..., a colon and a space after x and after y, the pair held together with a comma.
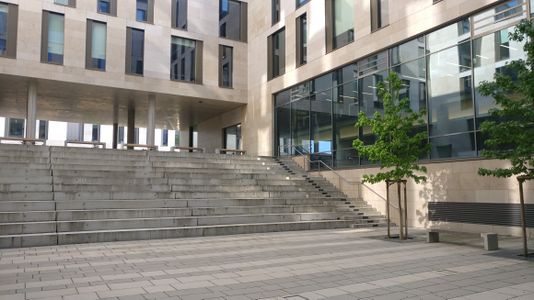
x: 94, y: 144
x: 133, y: 146
x: 233, y: 151
x: 188, y: 149
x: 23, y: 140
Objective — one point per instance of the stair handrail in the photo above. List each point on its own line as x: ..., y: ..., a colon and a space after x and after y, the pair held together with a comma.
x: 340, y: 176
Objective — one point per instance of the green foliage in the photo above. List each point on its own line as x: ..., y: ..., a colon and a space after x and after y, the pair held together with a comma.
x: 397, y: 148
x: 510, y: 131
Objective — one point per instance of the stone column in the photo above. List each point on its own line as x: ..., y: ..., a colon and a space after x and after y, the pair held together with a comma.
x: 151, y: 124
x: 115, y: 124
x: 31, y: 110
x: 131, y: 124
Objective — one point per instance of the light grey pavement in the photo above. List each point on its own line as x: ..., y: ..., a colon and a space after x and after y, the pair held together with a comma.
x: 332, y: 264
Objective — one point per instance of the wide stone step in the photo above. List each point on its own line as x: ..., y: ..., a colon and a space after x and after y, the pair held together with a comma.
x: 27, y: 227
x: 7, y: 166
x: 66, y: 215
x: 27, y: 216
x: 29, y: 179
x: 18, y: 206
x: 23, y: 160
x: 25, y: 187
x: 217, y: 195
x: 191, y: 203
x: 59, y: 196
x: 132, y: 223
x: 111, y: 188
x: 32, y: 240
x: 26, y: 196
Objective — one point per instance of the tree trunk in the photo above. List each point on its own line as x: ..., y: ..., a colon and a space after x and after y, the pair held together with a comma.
x: 401, y: 225
x: 387, y: 210
x: 523, y: 217
x: 405, y: 212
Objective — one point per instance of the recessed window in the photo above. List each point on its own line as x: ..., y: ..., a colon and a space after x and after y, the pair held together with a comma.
x: 71, y: 3
x: 135, y: 51
x: 339, y: 23
x: 43, y: 130
x: 379, y: 14
x: 108, y: 7
x: 179, y: 14
x: 165, y: 137
x: 8, y: 29
x: 226, y: 55
x: 233, y: 20
x: 53, y: 37
x: 277, y: 53
x: 302, y: 40
x: 15, y: 127
x: 299, y: 3
x: 75, y: 131
x: 145, y: 11
x: 275, y: 11
x: 186, y: 59
x: 96, y: 45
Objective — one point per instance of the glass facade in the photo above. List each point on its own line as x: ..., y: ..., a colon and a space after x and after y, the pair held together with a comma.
x: 4, y: 10
x: 98, y: 39
x: 441, y: 73
x: 56, y: 38
x: 183, y: 56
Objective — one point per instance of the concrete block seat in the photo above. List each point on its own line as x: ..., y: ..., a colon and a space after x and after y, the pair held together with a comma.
x: 56, y: 195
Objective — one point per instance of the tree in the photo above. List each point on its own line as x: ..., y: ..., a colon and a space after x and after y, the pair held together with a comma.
x: 510, y: 131
x: 397, y: 145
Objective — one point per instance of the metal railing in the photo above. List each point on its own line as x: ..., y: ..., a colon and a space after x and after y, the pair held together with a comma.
x: 340, y: 178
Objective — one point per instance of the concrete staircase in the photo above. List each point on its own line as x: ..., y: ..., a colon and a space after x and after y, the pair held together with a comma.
x: 56, y: 195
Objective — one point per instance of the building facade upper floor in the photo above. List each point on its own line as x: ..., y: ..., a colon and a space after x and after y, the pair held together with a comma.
x: 193, y: 48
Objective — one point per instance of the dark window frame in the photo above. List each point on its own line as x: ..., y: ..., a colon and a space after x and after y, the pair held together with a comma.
x: 44, y: 38
x: 149, y: 13
x: 222, y: 49
x: 243, y: 21
x: 199, y: 48
x: 11, y: 30
x: 129, y: 46
x: 89, y: 62
x: 271, y: 47
x: 112, y: 8
x: 302, y: 40
x: 71, y: 3
x: 175, y: 17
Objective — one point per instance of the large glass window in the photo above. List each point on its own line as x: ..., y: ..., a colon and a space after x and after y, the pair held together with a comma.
x: 96, y: 50
x: 15, y: 127
x: 321, y: 124
x: 491, y: 53
x: 232, y: 137
x: 183, y: 59
x: 448, y: 36
x: 4, y: 10
x: 379, y: 14
x: 54, y: 31
x: 300, y: 125
x: 340, y: 23
x: 302, y: 40
x: 283, y: 129
x: 226, y: 66
x: 277, y: 53
x: 345, y: 113
x: 233, y: 20
x: 135, y: 51
x: 179, y: 14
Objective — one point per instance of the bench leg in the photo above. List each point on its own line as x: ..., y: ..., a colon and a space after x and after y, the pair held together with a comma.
x: 432, y: 237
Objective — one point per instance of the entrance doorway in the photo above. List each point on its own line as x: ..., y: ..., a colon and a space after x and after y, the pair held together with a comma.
x: 232, y: 137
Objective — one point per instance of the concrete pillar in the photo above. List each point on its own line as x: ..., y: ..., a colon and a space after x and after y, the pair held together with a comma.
x: 151, y: 125
x: 491, y: 241
x: 31, y: 110
x: 131, y: 124
x: 184, y: 137
x: 115, y: 124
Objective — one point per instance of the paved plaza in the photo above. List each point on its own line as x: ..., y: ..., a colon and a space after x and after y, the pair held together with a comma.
x: 331, y: 264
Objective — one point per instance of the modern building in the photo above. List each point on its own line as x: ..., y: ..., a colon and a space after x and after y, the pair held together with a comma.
x: 279, y: 77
